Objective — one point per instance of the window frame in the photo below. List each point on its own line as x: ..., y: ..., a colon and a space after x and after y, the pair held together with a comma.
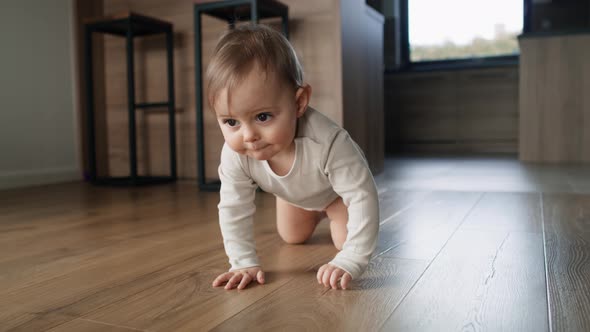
x: 476, y: 62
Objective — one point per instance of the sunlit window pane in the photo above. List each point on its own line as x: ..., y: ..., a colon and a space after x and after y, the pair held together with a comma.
x: 461, y: 29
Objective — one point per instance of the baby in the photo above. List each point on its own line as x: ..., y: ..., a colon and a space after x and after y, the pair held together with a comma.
x: 274, y: 140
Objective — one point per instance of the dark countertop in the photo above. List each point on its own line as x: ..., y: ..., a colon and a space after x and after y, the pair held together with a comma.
x: 557, y: 33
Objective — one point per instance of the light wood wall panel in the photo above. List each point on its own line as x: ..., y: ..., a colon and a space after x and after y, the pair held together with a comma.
x: 554, y: 98
x: 465, y: 111
x: 315, y: 34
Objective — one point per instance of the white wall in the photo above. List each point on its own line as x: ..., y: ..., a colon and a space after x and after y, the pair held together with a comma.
x: 37, y: 118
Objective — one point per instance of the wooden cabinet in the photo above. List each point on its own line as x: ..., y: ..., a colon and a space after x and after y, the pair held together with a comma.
x: 362, y: 79
x: 554, y: 98
x: 374, y: 130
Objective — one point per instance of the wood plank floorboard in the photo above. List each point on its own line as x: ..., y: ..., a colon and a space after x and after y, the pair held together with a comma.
x: 302, y: 305
x: 495, y: 285
x: 209, y: 308
x: 420, y: 231
x: 90, y: 326
x: 81, y: 280
x: 567, y: 245
x: 188, y: 302
x: 489, y: 276
x: 512, y: 212
x: 75, y: 257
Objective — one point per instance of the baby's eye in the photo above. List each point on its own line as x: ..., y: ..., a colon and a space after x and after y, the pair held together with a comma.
x: 230, y: 122
x: 263, y: 117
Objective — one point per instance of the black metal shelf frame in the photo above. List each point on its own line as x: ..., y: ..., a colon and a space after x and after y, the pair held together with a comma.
x: 130, y: 26
x: 231, y: 11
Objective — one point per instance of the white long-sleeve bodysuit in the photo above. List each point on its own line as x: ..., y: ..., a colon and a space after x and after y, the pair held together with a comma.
x: 327, y: 164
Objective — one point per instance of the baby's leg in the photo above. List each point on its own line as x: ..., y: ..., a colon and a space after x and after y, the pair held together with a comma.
x: 295, y: 225
x: 338, y: 215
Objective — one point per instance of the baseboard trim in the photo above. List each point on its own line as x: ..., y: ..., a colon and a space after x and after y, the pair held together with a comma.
x: 31, y: 178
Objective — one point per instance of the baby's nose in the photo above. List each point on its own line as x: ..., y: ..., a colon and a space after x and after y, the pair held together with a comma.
x: 250, y: 135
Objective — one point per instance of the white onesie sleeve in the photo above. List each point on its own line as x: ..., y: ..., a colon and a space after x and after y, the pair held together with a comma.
x: 236, y: 208
x: 352, y: 180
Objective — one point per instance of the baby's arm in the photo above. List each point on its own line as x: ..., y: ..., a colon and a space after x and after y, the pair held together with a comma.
x: 351, y: 178
x: 236, y: 208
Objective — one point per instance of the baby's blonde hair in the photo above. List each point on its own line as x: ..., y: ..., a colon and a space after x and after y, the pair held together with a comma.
x: 241, y: 48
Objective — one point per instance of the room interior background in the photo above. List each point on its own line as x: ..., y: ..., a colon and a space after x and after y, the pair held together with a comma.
x: 345, y: 46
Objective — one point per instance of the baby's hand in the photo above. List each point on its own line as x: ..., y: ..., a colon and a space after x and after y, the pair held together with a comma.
x: 240, y: 278
x: 329, y: 275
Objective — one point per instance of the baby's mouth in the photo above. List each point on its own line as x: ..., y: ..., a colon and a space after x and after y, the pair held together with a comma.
x: 257, y: 147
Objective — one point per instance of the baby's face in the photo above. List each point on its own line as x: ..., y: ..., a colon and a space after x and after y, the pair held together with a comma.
x: 260, y: 118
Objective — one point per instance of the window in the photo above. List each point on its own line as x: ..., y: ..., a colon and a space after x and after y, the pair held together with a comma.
x: 461, y: 32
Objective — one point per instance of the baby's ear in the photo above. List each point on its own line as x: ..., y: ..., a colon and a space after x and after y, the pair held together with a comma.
x: 302, y: 97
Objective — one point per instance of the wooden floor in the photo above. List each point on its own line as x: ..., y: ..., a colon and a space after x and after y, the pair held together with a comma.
x: 74, y: 257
